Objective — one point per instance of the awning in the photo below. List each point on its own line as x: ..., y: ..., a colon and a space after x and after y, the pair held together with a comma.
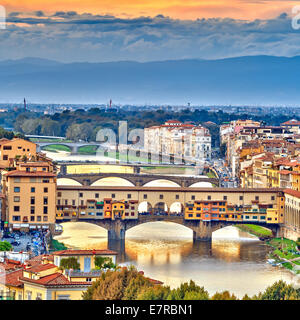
x: 25, y: 225
x: 32, y: 227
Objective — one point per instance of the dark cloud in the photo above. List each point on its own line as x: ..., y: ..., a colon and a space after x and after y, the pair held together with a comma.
x: 70, y: 36
x: 39, y: 13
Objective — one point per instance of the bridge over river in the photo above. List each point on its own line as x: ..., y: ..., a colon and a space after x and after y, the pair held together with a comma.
x: 202, y: 230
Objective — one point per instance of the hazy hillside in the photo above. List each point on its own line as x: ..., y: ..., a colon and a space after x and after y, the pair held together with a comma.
x: 243, y: 80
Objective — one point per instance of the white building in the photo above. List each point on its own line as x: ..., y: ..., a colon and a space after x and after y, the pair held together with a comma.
x: 179, y: 140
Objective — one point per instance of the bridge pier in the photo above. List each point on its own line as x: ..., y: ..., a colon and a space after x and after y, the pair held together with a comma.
x: 203, y: 231
x: 117, y: 231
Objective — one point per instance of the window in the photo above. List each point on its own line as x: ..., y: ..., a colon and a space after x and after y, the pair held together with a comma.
x: 132, y: 214
x: 161, y: 196
x: 32, y: 218
x: 39, y: 218
x: 32, y: 190
x: 17, y: 189
x: 66, y: 202
x: 113, y: 195
x: 224, y: 197
x: 73, y: 202
x: 145, y: 196
x: 46, y: 181
x: 257, y: 198
x: 80, y: 195
x: 58, y: 201
x: 7, y: 148
x: 97, y: 195
x: 45, y: 219
x: 193, y: 197
x: 59, y: 194
x: 272, y: 198
x: 45, y: 210
x: 45, y: 200
x: 208, y: 197
x: 241, y: 198
x: 29, y: 295
x: 32, y: 200
x: 16, y: 199
x: 5, y: 157
x: 16, y: 208
x: 45, y: 190
x: 129, y: 196
x: 16, y: 218
x: 32, y: 210
x: 177, y: 196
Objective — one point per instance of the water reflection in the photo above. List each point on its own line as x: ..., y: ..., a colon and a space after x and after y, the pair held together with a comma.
x: 168, y: 253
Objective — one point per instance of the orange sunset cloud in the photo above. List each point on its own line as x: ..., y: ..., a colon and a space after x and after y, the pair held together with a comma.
x: 187, y: 9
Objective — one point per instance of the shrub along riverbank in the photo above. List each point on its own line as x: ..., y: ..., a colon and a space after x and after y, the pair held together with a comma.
x: 286, y: 253
x: 57, y: 246
x: 255, y: 230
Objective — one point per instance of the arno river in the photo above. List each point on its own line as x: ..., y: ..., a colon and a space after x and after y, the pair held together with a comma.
x: 233, y: 261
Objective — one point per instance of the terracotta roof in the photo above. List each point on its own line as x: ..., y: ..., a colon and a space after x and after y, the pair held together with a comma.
x: 13, y: 278
x: 84, y: 252
x: 54, y: 280
x: 151, y: 280
x: 285, y: 172
x: 10, y: 265
x: 5, y: 141
x: 33, y: 164
x: 17, y: 173
x: 291, y: 122
x: 291, y: 192
x: 41, y: 267
x: 38, y: 259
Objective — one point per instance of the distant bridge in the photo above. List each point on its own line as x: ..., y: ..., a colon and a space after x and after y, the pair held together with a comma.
x: 202, y: 230
x: 73, y: 146
x: 44, y: 137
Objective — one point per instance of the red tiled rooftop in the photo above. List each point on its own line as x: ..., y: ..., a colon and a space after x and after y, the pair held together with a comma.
x: 54, y: 280
x: 13, y: 278
x: 292, y: 192
x: 41, y: 267
x: 18, y: 173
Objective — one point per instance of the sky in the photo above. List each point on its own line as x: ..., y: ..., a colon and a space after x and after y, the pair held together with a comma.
x: 145, y: 30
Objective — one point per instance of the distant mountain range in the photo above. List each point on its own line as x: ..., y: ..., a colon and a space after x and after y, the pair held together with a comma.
x: 251, y: 80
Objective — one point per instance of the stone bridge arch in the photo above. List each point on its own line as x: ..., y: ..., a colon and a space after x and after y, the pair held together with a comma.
x: 96, y: 181
x: 69, y: 182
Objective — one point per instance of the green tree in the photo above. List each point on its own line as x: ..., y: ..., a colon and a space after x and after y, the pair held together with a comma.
x: 156, y: 292
x: 225, y: 295
x: 187, y: 291
x: 69, y: 263
x: 104, y: 263
x: 117, y: 285
x: 5, y: 246
x: 280, y: 290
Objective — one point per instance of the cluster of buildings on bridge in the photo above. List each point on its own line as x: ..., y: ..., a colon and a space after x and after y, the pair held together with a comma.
x: 181, y: 140
x: 32, y: 199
